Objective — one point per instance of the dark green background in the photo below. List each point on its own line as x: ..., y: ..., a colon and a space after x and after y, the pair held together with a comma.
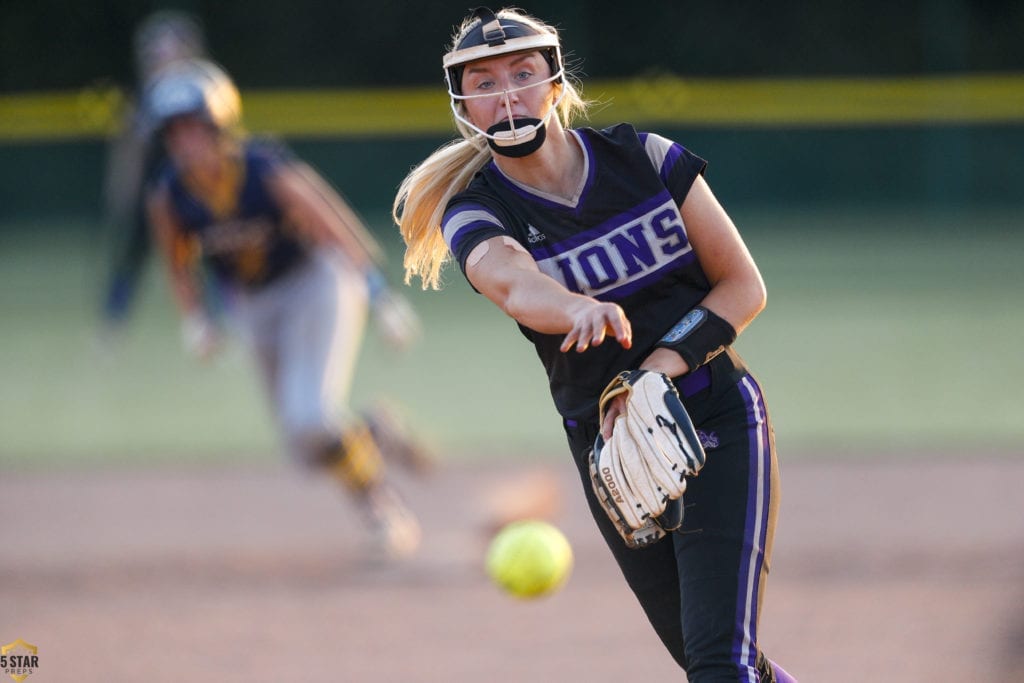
x: 48, y: 44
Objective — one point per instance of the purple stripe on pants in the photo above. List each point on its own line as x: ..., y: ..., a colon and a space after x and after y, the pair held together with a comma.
x: 756, y: 529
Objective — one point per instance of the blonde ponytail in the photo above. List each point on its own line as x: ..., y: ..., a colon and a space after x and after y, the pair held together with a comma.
x: 421, y: 201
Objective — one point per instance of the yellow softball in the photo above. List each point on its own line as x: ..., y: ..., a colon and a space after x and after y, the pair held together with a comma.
x: 529, y: 558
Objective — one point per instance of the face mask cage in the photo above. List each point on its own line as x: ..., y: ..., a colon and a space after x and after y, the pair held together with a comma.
x: 518, y: 132
x: 492, y: 37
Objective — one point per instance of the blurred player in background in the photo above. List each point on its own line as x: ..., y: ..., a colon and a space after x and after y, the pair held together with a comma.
x: 580, y: 235
x: 301, y: 269
x: 160, y: 40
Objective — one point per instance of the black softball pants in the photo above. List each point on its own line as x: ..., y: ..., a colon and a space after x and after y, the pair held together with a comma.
x: 702, y: 586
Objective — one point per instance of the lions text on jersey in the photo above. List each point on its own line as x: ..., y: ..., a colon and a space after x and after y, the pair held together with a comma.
x: 620, y: 238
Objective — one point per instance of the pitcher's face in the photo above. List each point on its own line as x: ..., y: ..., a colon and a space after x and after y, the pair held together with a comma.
x: 507, y: 87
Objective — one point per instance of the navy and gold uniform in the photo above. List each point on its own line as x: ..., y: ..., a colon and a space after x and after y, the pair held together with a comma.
x: 621, y: 238
x: 240, y: 230
x: 298, y: 263
x: 300, y: 309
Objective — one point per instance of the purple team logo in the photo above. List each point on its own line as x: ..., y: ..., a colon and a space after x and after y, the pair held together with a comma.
x: 708, y: 440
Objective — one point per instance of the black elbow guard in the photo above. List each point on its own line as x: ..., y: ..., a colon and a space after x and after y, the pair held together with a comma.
x: 699, y: 336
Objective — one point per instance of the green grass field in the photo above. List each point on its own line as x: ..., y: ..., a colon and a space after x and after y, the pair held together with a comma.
x: 892, y: 331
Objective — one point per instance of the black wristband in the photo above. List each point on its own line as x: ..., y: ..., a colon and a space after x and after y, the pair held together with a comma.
x: 699, y: 336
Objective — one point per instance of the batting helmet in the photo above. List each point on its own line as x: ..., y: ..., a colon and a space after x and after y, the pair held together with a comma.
x: 194, y: 86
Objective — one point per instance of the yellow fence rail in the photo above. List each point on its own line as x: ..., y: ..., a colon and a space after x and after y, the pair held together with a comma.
x: 94, y: 113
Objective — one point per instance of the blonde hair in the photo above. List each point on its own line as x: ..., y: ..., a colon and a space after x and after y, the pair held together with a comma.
x: 424, y: 194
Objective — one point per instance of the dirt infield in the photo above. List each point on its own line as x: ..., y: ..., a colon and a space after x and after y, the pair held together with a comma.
x: 883, y: 572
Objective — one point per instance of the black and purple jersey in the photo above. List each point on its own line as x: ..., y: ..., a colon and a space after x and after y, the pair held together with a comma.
x: 621, y: 239
x: 245, y: 241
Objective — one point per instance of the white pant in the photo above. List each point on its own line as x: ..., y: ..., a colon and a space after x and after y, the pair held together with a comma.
x: 305, y: 330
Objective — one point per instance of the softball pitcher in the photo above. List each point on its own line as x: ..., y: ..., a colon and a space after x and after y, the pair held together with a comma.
x: 301, y: 270
x: 582, y: 235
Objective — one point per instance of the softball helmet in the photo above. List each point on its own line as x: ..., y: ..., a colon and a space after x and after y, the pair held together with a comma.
x: 198, y: 87
x: 493, y: 36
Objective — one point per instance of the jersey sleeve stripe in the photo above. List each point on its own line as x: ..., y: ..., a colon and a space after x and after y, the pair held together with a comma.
x: 465, y: 219
x: 663, y: 154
